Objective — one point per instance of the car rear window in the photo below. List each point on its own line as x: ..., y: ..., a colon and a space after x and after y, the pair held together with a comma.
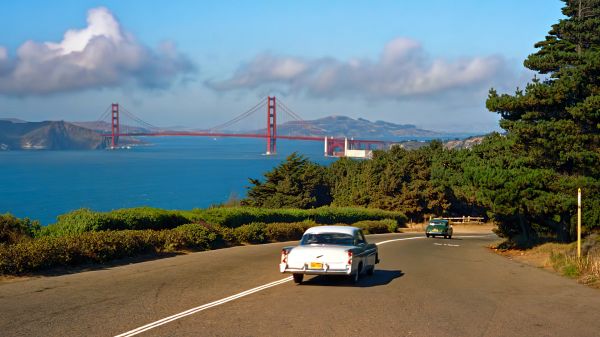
x: 327, y: 239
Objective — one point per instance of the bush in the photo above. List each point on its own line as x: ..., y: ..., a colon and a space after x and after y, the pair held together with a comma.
x: 95, y: 247
x: 13, y: 230
x: 85, y: 220
x: 100, y: 247
x: 70, y: 249
x: 287, y: 231
x: 200, y: 236
x: 251, y: 233
x: 377, y: 226
x: 237, y: 216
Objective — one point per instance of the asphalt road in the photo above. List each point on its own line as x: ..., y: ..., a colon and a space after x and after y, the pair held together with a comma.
x: 422, y: 287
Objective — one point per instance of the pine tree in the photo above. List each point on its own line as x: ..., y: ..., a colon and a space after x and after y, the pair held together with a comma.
x: 554, y: 125
x: 557, y: 120
x: 295, y: 183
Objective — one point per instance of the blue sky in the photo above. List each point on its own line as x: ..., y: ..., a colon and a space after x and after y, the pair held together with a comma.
x: 198, y: 63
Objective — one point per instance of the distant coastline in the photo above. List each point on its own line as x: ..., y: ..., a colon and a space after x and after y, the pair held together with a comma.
x: 16, y: 134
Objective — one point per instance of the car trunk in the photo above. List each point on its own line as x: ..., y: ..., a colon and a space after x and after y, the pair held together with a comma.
x: 317, y: 253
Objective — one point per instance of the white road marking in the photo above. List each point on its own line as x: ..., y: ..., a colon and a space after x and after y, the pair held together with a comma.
x: 401, y: 239
x: 474, y: 236
x: 445, y: 244
x: 202, y: 307
x: 235, y: 297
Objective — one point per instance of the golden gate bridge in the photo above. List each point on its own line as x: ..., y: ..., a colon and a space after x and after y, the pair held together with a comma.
x: 333, y: 146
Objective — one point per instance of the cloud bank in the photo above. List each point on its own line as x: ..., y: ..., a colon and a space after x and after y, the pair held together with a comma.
x: 403, y: 70
x: 98, y: 56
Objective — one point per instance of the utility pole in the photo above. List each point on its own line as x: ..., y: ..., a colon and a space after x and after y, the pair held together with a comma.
x: 579, y: 223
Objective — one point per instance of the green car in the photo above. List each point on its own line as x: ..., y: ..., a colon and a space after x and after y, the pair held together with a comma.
x: 439, y: 227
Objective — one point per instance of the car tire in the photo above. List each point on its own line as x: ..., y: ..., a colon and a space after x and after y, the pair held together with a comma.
x: 427, y: 235
x: 371, y: 270
x: 356, y: 276
x: 449, y: 236
x: 445, y: 236
x: 298, y: 278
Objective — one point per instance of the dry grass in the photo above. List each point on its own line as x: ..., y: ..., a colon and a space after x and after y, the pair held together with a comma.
x: 562, y: 258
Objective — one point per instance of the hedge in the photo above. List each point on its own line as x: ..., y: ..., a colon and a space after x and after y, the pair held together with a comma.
x: 13, y: 230
x: 86, y: 220
x: 103, y: 246
x: 237, y: 216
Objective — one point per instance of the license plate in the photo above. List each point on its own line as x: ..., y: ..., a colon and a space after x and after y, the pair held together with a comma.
x: 316, y: 265
x: 434, y: 230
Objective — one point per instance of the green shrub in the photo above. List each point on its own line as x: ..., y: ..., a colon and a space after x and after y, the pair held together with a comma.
x: 237, y: 216
x: 377, y: 226
x: 102, y: 246
x: 287, y: 231
x: 65, y: 248
x: 85, y: 220
x: 93, y: 247
x: 13, y: 230
x: 251, y: 233
x: 200, y: 236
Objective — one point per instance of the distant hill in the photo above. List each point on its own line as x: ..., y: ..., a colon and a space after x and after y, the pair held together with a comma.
x: 49, y: 135
x: 105, y: 127
x: 343, y: 126
x: 455, y: 144
x: 464, y: 143
x: 17, y: 134
x: 14, y: 120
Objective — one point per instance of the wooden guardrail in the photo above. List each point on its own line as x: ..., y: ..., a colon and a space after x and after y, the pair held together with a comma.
x: 465, y: 219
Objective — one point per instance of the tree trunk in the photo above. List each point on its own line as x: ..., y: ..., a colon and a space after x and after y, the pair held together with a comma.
x: 524, y: 227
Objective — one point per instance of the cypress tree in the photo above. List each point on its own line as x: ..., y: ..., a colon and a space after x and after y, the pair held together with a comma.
x: 554, y: 128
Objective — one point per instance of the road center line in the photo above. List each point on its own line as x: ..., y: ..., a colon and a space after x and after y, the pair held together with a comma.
x: 401, y: 239
x: 202, y: 307
x: 232, y: 298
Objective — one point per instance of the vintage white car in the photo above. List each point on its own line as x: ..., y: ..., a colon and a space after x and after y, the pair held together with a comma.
x: 330, y: 250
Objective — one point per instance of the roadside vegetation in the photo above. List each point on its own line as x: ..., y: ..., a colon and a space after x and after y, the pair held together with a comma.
x: 562, y: 258
x: 86, y: 237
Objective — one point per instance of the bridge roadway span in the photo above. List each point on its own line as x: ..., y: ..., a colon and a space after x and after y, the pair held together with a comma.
x: 423, y: 287
x: 213, y: 134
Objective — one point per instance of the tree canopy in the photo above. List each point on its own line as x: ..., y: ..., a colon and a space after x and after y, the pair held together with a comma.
x: 553, y: 128
x: 295, y: 183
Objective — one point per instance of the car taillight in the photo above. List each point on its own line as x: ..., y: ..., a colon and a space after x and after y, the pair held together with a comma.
x: 284, y: 254
x: 349, y: 257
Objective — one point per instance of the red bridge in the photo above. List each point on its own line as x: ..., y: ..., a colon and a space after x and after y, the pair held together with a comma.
x: 332, y: 146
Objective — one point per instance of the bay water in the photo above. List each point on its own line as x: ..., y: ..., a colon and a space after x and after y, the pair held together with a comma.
x: 169, y: 173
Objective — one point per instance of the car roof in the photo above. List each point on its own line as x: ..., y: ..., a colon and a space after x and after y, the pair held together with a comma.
x: 332, y: 229
x: 438, y: 221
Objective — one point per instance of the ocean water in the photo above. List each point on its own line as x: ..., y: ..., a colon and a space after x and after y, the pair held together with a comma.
x: 170, y: 173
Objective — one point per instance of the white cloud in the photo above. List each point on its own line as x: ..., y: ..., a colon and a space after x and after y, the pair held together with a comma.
x: 100, y: 55
x: 403, y: 70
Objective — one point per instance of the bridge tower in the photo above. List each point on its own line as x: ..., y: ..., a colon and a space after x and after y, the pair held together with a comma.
x: 271, y: 125
x: 115, y: 126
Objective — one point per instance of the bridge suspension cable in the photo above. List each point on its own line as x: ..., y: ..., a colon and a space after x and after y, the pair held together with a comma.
x: 245, y: 114
x: 139, y: 120
x: 296, y: 116
x: 104, y: 116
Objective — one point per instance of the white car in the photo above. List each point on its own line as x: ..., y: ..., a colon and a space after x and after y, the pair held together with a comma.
x: 330, y: 250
